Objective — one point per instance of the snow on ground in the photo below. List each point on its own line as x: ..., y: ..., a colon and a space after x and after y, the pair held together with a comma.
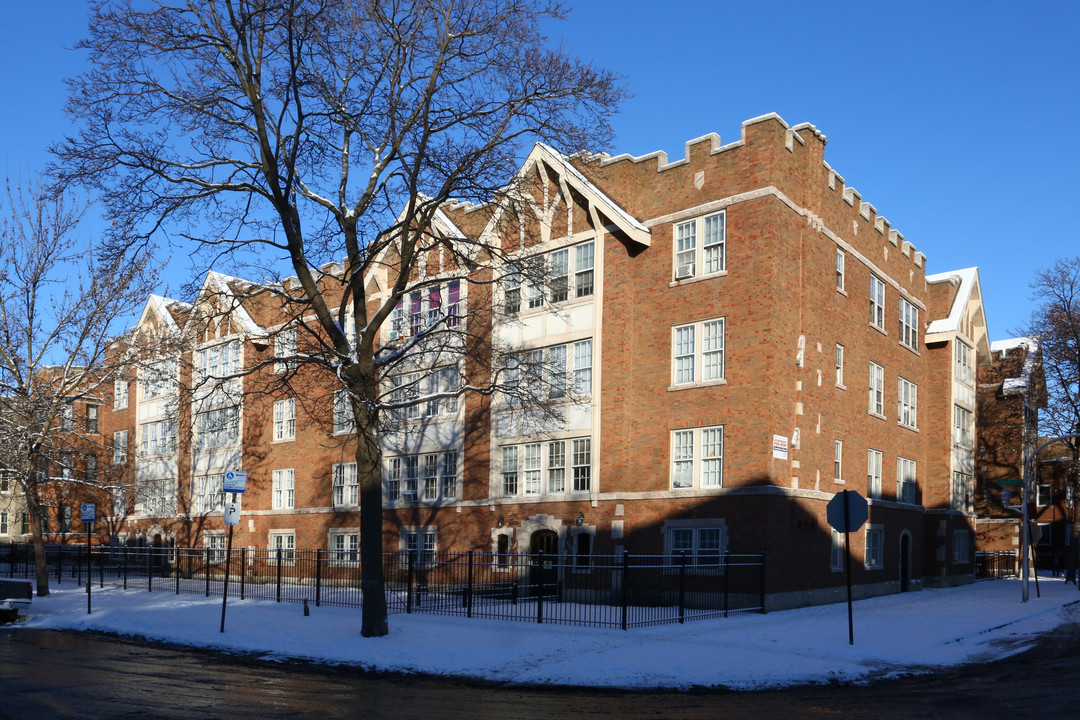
x: 895, y: 634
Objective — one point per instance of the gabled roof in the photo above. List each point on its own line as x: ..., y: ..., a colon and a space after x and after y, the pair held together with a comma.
x: 166, y: 309
x: 219, y: 285
x: 632, y: 227
x: 968, y: 298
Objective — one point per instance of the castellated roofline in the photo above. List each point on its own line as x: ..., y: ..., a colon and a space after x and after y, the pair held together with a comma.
x: 794, y: 136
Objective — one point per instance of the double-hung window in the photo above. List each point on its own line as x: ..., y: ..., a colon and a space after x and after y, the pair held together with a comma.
x: 964, y: 369
x: 700, y: 247
x: 583, y: 269
x: 961, y: 491
x: 698, y: 352
x: 530, y: 283
x: 93, y: 413
x: 158, y: 437
x: 905, y: 480
x: 907, y: 403
x: 962, y: 427
x: 67, y: 416
x: 909, y: 325
x: 283, y: 544
x: 537, y: 468
x: 873, y: 473
x: 838, y: 460
x: 344, y: 547
x: 837, y: 551
x: 120, y: 445
x: 344, y: 422
x: 840, y: 262
x: 120, y: 394
x: 284, y: 489
x: 209, y: 493
x: 877, y: 390
x: 346, y: 485
x: 877, y: 302
x: 285, y: 420
x: 697, y: 458
x: 285, y: 350
x: 214, y: 542
x: 421, y: 544
x: 695, y: 544
x: 840, y: 366
x: 875, y: 546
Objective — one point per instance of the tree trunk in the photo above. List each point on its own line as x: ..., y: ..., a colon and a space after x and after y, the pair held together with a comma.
x: 41, y: 566
x: 369, y: 477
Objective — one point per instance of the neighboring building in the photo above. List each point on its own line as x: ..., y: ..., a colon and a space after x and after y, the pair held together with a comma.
x: 718, y: 345
x: 1012, y: 389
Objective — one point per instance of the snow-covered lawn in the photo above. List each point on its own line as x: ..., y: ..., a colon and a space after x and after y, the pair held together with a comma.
x: 894, y: 634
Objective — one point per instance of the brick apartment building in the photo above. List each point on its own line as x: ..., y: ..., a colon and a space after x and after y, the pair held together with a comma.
x: 720, y: 343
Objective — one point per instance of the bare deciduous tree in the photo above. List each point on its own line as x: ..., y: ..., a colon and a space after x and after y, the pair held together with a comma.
x: 309, y: 131
x: 62, y: 299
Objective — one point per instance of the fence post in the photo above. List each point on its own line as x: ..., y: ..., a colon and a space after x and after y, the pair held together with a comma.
x: 279, y: 575
x: 243, y: 570
x: 469, y: 587
x: 726, y: 568
x: 625, y: 586
x: 409, y: 582
x: 539, y: 586
x: 682, y: 587
x: 125, y: 565
x: 318, y: 577
x: 763, y: 583
x: 176, y: 570
x: 149, y: 570
x: 79, y: 563
x: 59, y: 564
x: 206, y: 571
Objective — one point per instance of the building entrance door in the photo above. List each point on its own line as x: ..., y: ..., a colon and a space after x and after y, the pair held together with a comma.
x: 544, y: 574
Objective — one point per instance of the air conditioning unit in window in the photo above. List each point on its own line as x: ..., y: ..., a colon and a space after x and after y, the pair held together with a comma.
x: 408, y: 496
x: 684, y: 271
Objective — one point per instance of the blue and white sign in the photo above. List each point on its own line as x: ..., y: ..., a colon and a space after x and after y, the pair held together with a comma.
x: 87, y: 512
x: 235, y: 481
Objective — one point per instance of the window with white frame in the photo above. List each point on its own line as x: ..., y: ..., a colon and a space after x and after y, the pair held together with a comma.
x: 905, y: 480
x: 421, y: 543
x: 841, y: 259
x: 697, y: 458
x: 219, y: 361
x: 962, y: 424
x: 877, y: 390
x: 583, y: 361
x: 159, y: 379
x: 698, y: 352
x: 283, y: 543
x: 875, y: 547
x: 435, y: 304
x: 873, y: 473
x: 700, y: 246
x: 909, y: 325
x: 346, y: 485
x: 156, y: 496
x: 344, y: 422
x: 549, y: 279
x: 4, y: 529
x: 412, y: 388
x: 344, y: 546
x: 700, y: 542
x: 93, y: 414
x: 66, y: 416
x: 90, y: 463
x: 539, y: 468
x: 120, y: 394
x: 907, y: 403
x: 285, y: 350
x: 962, y: 491
x: 961, y: 547
x: 1044, y: 495
x: 214, y: 542
x: 449, y: 476
x: 120, y: 446
x: 158, y: 437
x: 217, y: 428
x: 964, y: 371
x: 285, y: 420
x: 840, y: 365
x: 837, y: 552
x: 877, y: 302
x: 209, y: 494
x: 119, y: 502
x: 284, y: 489
x: 838, y: 460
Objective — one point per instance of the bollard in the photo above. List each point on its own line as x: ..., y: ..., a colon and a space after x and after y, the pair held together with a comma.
x: 307, y: 611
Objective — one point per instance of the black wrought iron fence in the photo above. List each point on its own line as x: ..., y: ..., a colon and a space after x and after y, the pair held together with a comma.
x: 995, y: 564
x: 611, y: 591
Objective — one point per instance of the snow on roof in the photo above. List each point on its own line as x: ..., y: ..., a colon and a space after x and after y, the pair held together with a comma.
x: 1017, y: 385
x: 967, y: 279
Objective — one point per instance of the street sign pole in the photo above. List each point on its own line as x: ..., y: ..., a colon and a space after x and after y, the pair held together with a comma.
x: 88, y: 514
x: 847, y: 566
x: 228, y: 565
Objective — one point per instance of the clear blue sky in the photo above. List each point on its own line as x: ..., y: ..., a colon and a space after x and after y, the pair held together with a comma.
x: 954, y: 119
